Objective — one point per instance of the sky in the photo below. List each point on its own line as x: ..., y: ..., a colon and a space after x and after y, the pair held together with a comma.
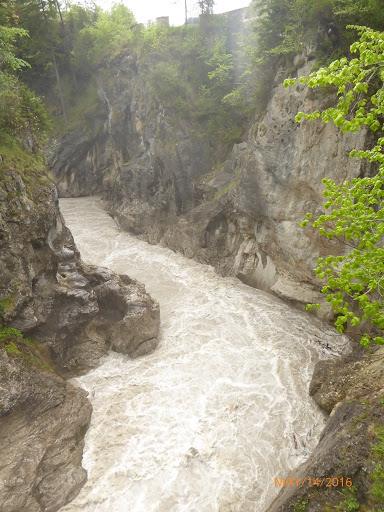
x: 145, y: 10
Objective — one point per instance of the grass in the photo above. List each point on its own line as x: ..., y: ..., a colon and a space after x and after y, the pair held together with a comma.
x: 29, y: 350
x: 349, y: 503
x: 377, y: 475
x: 300, y: 506
x: 229, y: 187
x: 7, y: 304
x: 30, y: 167
x: 14, y: 156
x: 10, y: 340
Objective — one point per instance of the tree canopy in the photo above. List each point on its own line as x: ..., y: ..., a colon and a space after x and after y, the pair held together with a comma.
x: 21, y: 111
x: 8, y: 38
x: 206, y: 6
x: 288, y: 27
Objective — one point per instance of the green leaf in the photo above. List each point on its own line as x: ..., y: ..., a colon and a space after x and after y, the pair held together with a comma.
x: 288, y: 82
x: 375, y: 126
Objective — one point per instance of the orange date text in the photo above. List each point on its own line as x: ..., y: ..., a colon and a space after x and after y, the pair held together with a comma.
x: 313, y: 482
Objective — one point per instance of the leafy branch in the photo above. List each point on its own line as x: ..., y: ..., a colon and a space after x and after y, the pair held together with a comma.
x: 355, y: 207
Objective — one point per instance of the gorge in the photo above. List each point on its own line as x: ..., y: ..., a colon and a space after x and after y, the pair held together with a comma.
x: 239, y: 216
x: 175, y: 169
x: 219, y: 409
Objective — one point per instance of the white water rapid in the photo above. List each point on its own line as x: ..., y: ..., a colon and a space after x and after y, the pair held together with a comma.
x: 221, y: 408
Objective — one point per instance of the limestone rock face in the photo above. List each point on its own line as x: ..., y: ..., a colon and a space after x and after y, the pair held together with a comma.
x: 331, y: 383
x: 42, y: 425
x: 70, y: 314
x: 55, y: 297
x: 135, y: 153
x: 131, y: 315
x: 251, y: 226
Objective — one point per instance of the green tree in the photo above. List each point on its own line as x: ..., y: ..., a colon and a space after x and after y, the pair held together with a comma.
x: 355, y: 279
x: 21, y: 112
x: 106, y: 36
x: 10, y: 34
x: 362, y: 12
x: 221, y: 66
x: 286, y: 27
x: 8, y: 38
x: 45, y: 50
x: 205, y: 6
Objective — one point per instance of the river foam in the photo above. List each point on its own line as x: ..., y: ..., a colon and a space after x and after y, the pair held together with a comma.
x: 221, y: 408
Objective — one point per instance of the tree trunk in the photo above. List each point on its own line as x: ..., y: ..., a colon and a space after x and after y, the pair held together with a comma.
x: 61, y: 95
x: 67, y: 45
x: 186, y: 13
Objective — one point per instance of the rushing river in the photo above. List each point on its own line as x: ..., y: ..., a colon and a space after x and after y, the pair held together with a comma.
x: 221, y: 408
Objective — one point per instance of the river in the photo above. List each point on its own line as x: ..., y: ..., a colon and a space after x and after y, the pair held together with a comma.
x: 208, y: 420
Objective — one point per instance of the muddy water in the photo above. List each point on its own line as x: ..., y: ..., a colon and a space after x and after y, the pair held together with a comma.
x: 221, y: 408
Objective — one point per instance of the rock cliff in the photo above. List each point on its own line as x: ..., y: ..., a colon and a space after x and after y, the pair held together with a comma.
x: 241, y: 215
x: 58, y: 318
x: 134, y: 151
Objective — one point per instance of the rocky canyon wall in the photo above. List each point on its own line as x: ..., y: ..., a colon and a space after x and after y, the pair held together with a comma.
x: 58, y: 318
x: 240, y: 214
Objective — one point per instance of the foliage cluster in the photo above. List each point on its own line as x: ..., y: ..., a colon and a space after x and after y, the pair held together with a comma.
x: 8, y: 38
x: 377, y: 475
x: 22, y: 113
x: 8, y: 339
x: 289, y: 27
x: 103, y: 35
x: 190, y: 70
x: 58, y: 46
x: 205, y: 6
x: 281, y: 30
x: 300, y: 506
x: 349, y: 502
x: 16, y: 344
x: 355, y: 280
x: 65, y: 46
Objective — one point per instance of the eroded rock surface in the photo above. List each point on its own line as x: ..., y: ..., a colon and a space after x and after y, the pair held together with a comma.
x: 43, y: 421
x: 251, y: 226
x: 58, y: 318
